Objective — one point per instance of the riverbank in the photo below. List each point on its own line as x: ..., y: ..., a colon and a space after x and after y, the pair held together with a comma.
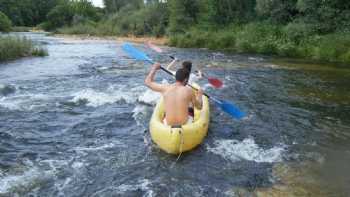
x: 256, y: 38
x: 12, y: 47
x: 154, y: 40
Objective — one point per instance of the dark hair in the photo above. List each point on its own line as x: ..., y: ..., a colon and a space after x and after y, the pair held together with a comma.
x: 187, y: 65
x: 182, y: 74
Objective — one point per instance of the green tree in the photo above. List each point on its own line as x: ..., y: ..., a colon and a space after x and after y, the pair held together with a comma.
x: 59, y: 16
x: 85, y: 9
x: 277, y: 11
x: 326, y: 15
x: 113, y: 6
x: 223, y: 12
x: 183, y: 14
x: 5, y: 23
x: 27, y: 12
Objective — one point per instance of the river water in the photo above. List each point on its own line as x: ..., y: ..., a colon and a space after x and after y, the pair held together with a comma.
x: 75, y: 123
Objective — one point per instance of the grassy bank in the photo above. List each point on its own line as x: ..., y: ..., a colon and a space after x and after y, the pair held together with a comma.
x: 14, y: 47
x: 294, y: 40
x: 21, y: 29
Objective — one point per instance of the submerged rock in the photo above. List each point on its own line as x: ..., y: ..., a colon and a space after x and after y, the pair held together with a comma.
x: 6, y: 89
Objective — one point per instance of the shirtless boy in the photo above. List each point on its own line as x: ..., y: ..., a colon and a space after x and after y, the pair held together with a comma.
x: 177, y: 96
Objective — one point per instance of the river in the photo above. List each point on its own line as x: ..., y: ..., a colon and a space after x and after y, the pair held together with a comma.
x: 75, y: 123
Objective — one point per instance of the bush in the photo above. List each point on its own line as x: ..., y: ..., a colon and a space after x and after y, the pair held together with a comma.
x: 5, y: 23
x: 298, y: 31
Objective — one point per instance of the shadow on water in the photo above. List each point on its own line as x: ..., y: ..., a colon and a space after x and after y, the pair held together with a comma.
x: 75, y: 123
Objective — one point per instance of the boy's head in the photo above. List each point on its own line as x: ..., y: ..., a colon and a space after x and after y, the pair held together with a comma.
x: 187, y: 65
x: 182, y: 75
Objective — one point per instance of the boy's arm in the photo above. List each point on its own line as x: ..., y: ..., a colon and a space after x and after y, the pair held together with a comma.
x: 149, y: 81
x: 171, y: 64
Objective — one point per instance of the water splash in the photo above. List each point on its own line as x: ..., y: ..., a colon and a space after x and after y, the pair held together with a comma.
x: 95, y: 98
x: 247, y: 149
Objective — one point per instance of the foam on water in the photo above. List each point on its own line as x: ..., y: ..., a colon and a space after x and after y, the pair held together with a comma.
x: 23, y: 182
x: 98, y: 148
x: 247, y: 149
x: 142, y: 185
x: 139, y: 113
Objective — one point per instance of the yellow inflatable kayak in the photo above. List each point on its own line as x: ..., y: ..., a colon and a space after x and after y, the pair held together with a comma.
x: 178, y: 140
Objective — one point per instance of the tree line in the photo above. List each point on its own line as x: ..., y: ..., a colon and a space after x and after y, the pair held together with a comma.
x: 283, y: 27
x: 176, y: 16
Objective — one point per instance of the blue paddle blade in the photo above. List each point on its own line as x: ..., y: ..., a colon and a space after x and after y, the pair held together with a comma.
x: 231, y: 109
x: 135, y: 53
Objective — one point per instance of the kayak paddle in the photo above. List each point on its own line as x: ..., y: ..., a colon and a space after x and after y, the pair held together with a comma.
x: 213, y: 81
x: 226, y: 106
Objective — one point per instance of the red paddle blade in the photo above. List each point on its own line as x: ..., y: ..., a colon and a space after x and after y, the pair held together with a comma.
x: 215, y: 82
x: 154, y: 47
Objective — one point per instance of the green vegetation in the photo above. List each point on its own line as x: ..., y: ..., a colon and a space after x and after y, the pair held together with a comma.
x: 264, y: 38
x: 310, y: 29
x: 5, y: 23
x: 14, y: 47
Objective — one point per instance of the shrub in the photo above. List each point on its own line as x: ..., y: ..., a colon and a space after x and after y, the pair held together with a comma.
x: 14, y: 47
x: 298, y: 31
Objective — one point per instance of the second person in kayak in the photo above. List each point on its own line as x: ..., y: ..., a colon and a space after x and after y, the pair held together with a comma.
x: 193, y: 78
x: 177, y: 96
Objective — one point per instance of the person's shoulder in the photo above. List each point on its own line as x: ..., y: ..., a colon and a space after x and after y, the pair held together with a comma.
x: 188, y: 89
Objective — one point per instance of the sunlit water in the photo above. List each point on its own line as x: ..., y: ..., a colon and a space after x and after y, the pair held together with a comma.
x: 75, y: 123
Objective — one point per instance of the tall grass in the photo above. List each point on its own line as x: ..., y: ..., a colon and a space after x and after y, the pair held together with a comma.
x: 15, y: 47
x: 294, y: 40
